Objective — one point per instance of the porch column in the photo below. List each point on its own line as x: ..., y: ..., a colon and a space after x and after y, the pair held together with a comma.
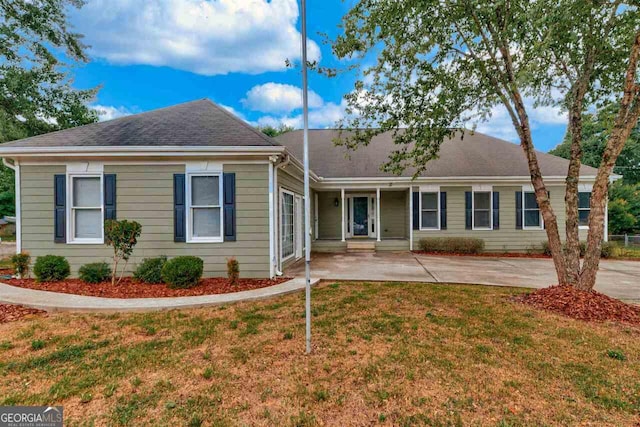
x: 342, y: 207
x: 315, y: 216
x: 410, y: 219
x: 378, y: 213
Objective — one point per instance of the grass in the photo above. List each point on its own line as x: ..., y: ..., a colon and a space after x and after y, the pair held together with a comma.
x: 632, y: 252
x: 385, y: 354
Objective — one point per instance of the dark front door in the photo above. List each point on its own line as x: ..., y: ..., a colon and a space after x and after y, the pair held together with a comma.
x: 360, y: 216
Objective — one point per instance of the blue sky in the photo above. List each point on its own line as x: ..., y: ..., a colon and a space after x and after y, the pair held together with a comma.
x: 152, y: 54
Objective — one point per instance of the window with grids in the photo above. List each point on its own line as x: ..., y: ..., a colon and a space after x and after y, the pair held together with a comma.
x: 86, y: 209
x: 482, y: 209
x: 531, y: 211
x: 206, y: 207
x: 429, y: 211
x: 584, y: 208
x: 287, y: 227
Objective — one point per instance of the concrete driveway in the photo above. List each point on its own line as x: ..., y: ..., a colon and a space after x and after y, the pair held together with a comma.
x: 619, y: 279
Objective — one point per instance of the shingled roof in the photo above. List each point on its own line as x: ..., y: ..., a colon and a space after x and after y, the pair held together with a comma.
x: 196, y: 123
x: 475, y: 155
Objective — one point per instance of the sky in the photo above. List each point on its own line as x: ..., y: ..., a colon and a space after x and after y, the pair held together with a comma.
x: 152, y: 54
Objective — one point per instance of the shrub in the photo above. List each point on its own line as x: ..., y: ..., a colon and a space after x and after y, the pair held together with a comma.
x: 233, y: 270
x: 96, y: 272
x: 123, y: 236
x: 182, y: 272
x: 51, y: 268
x: 463, y: 245
x: 545, y: 248
x: 21, y: 263
x: 607, y: 250
x: 150, y: 270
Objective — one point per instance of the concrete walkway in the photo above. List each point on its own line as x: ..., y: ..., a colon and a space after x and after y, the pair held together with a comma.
x: 619, y: 279
x: 53, y: 301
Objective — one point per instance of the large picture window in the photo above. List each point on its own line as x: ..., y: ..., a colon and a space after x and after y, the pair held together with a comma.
x: 429, y: 211
x: 482, y: 210
x: 205, y: 209
x: 287, y: 227
x: 532, y: 217
x: 86, y: 209
x: 584, y: 208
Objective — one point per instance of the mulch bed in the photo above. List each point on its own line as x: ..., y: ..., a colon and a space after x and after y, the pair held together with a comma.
x: 582, y: 305
x: 131, y: 288
x: 11, y: 313
x: 486, y: 254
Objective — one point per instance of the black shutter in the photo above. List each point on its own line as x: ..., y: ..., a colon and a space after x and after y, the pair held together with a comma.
x: 468, y: 210
x: 59, y: 208
x: 109, y: 196
x: 229, y: 185
x: 443, y: 210
x: 496, y: 210
x: 179, y: 208
x: 544, y: 224
x: 518, y: 210
x: 416, y: 210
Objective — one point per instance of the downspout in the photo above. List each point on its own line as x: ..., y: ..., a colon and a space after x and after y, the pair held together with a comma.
x: 276, y: 218
x: 16, y: 168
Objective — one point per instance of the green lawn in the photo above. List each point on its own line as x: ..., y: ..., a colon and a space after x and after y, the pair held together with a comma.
x: 388, y: 354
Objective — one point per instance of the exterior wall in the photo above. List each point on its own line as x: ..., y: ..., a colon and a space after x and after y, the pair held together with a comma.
x: 329, y: 216
x: 145, y: 194
x: 393, y: 214
x: 507, y: 238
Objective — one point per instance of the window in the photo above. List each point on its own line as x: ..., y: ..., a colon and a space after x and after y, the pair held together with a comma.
x: 429, y: 211
x: 531, y: 211
x: 205, y: 210
x: 287, y: 226
x: 482, y: 210
x: 584, y: 208
x: 86, y: 209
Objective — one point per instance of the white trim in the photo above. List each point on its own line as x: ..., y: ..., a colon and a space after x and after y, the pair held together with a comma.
x: 70, y: 218
x: 529, y: 189
x: 272, y: 253
x: 189, y: 207
x: 16, y: 168
x: 141, y: 149
x: 429, y: 189
x: 584, y: 188
x: 203, y: 166
x: 410, y: 218
x: 371, y: 215
x: 343, y: 212
x: 293, y: 204
x: 378, y: 233
x: 473, y: 209
x: 85, y: 167
x: 315, y: 218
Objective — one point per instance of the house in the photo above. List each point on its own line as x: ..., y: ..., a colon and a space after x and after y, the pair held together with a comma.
x: 203, y: 182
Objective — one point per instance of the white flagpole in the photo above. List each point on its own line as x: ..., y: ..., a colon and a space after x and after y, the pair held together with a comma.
x: 307, y: 193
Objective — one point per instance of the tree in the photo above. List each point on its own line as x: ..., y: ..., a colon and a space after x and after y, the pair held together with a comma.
x: 441, y: 64
x: 624, y: 208
x: 273, y: 131
x: 36, y: 93
x: 123, y: 236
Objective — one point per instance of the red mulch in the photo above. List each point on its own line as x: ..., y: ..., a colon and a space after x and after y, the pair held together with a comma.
x: 11, y: 313
x: 131, y: 288
x: 486, y: 254
x: 583, y: 305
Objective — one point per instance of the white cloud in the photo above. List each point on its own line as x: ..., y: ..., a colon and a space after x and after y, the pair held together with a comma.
x: 278, y: 98
x: 206, y: 37
x: 109, y: 112
x: 233, y: 111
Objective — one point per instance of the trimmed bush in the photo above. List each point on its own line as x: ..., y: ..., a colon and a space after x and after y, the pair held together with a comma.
x: 150, y: 270
x: 233, y: 270
x: 182, y: 272
x: 96, y: 272
x: 51, y: 268
x: 607, y: 250
x: 21, y: 263
x: 461, y: 245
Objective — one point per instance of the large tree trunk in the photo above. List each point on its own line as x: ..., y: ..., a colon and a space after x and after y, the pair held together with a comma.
x: 626, y: 120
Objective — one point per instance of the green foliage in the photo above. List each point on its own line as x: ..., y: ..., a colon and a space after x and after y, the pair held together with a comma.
x: 182, y: 272
x: 461, y: 245
x: 624, y: 208
x: 123, y: 236
x: 21, y: 263
x: 36, y: 91
x: 233, y: 270
x: 96, y: 272
x: 51, y: 268
x: 37, y: 345
x: 616, y: 354
x: 607, y: 250
x: 150, y: 270
x: 273, y: 131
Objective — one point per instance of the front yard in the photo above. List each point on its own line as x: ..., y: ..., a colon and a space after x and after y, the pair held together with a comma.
x: 383, y: 354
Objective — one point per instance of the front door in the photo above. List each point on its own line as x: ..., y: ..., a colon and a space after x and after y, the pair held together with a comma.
x: 361, y: 216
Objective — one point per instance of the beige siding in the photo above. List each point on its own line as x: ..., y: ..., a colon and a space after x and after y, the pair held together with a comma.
x: 145, y: 194
x: 329, y: 216
x: 507, y: 238
x: 393, y: 214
